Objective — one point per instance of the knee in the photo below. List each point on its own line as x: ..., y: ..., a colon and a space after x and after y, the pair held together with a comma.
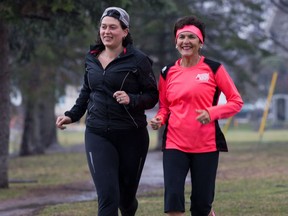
x: 174, y: 201
x: 128, y: 209
x: 108, y: 204
x: 200, y: 208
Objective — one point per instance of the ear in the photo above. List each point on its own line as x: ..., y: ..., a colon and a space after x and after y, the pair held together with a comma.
x: 126, y: 31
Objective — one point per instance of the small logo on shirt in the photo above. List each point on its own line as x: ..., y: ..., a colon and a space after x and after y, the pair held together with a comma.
x: 202, y: 77
x: 163, y: 69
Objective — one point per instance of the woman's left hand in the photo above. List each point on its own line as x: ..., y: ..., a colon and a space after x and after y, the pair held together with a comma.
x: 155, y: 123
x: 203, y: 116
x: 121, y: 97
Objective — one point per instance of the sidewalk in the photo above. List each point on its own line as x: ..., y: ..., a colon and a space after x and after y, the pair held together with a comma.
x: 152, y: 175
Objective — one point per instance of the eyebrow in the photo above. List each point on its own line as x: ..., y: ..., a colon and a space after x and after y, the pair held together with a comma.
x: 105, y: 24
x: 190, y: 34
x: 187, y: 33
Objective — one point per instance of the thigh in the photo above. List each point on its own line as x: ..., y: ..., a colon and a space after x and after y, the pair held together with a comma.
x: 132, y: 147
x: 204, y: 168
x: 203, y: 176
x: 176, y: 167
x: 103, y: 161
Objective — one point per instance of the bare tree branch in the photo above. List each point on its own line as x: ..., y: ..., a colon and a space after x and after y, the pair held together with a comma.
x: 281, y: 5
x: 279, y: 44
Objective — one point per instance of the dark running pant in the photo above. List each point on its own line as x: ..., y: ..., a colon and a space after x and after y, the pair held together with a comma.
x: 116, y: 160
x: 203, y: 169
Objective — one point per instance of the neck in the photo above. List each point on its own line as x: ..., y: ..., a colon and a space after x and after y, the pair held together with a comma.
x: 112, y: 52
x: 188, y: 61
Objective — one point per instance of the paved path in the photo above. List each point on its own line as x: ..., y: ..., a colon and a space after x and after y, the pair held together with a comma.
x: 152, y: 175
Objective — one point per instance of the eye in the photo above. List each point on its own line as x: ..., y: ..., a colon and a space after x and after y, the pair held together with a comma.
x: 192, y: 36
x: 181, y: 36
x: 188, y: 36
x: 113, y: 27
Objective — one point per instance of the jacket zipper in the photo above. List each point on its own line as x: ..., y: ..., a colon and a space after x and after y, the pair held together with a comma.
x: 122, y: 84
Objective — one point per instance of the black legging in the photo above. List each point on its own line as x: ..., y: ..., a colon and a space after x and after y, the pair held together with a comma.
x: 116, y: 160
x: 203, y: 170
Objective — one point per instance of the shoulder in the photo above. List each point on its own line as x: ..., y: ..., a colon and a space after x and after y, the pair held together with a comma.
x: 139, y: 55
x: 214, y: 65
x: 95, y: 50
x: 137, y: 52
x: 165, y: 69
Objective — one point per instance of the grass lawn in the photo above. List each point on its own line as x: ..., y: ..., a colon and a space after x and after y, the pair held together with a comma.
x: 252, y: 177
x: 252, y: 180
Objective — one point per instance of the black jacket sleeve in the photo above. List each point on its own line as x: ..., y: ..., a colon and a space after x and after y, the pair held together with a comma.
x: 148, y: 96
x: 80, y: 107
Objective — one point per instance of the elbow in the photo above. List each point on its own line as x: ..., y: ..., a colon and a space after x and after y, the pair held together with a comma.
x: 152, y: 103
x: 239, y: 105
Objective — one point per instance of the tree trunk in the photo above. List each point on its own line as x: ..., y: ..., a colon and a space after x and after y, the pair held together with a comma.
x: 47, y: 116
x: 4, y: 106
x: 39, y: 124
x: 31, y: 140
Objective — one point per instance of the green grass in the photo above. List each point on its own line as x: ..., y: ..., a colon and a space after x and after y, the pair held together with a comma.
x: 151, y: 205
x: 49, y: 170
x: 235, y: 135
x: 69, y: 137
x: 240, y: 134
x: 72, y: 136
x: 252, y: 197
x: 252, y: 177
x: 252, y: 180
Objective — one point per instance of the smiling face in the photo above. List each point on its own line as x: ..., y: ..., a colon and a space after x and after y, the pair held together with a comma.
x: 188, y: 44
x: 111, y: 32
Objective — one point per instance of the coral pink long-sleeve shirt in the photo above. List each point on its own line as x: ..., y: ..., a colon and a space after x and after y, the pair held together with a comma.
x: 187, y: 89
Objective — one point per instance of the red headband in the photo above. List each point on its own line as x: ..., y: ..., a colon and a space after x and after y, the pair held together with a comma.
x: 193, y: 29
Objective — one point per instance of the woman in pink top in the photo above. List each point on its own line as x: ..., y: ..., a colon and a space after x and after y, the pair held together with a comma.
x: 189, y: 90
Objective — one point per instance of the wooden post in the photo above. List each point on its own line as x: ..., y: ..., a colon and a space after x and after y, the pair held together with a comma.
x: 268, y: 102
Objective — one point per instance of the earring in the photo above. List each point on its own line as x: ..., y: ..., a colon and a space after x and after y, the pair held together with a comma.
x: 176, y: 47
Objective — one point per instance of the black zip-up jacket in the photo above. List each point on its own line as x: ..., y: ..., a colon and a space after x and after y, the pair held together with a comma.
x: 130, y: 72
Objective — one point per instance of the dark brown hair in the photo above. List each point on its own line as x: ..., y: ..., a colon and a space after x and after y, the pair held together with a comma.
x: 189, y: 20
x: 127, y: 40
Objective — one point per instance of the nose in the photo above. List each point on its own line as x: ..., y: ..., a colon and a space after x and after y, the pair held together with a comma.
x: 107, y: 30
x: 186, y: 40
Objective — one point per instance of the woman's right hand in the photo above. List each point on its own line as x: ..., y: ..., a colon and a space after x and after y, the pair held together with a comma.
x: 62, y: 120
x: 155, y: 123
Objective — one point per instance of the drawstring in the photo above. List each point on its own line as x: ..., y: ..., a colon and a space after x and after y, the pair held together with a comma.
x: 122, y: 84
x: 124, y: 80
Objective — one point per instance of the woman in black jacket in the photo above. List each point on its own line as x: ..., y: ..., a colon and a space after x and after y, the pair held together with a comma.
x: 119, y: 85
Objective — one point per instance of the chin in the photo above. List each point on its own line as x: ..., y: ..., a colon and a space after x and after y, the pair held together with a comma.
x: 187, y: 54
x: 107, y: 43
